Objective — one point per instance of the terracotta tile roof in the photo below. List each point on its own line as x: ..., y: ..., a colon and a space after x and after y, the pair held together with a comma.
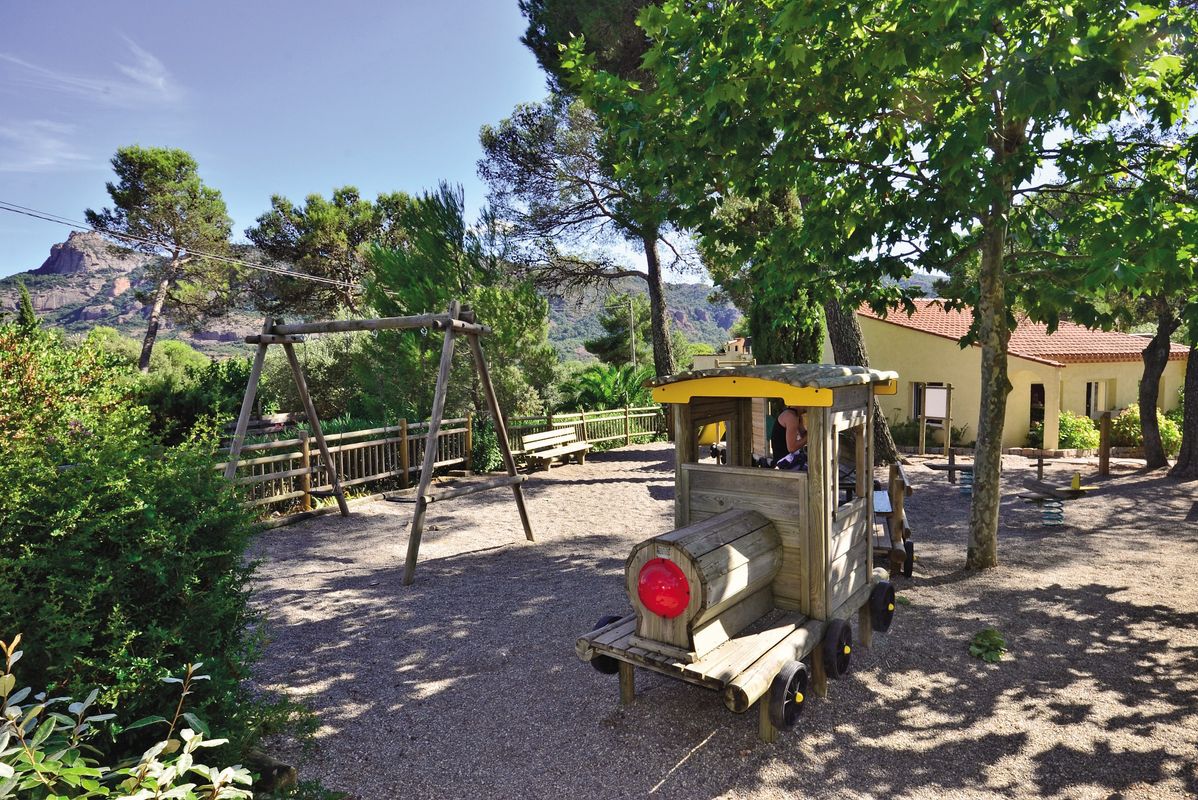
x: 1070, y: 344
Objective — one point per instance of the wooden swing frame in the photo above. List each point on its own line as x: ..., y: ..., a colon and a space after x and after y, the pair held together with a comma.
x: 455, y: 322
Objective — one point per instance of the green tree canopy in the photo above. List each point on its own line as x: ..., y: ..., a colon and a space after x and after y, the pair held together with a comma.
x: 613, y: 346
x: 910, y: 136
x: 27, y: 320
x: 160, y: 201
x: 446, y: 260
x: 328, y: 238
x: 608, y: 26
x: 549, y: 176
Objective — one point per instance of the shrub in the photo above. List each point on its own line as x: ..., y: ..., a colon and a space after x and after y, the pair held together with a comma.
x: 605, y: 386
x: 1035, y: 435
x: 485, y: 445
x: 44, y: 752
x: 989, y: 645
x: 906, y: 433
x: 121, y: 559
x: 1077, y: 431
x: 1126, y: 430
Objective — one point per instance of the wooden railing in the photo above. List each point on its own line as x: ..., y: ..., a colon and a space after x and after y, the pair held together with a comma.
x: 287, y: 472
x: 623, y: 425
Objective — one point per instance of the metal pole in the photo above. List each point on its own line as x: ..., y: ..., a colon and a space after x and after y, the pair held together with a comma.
x: 631, y: 332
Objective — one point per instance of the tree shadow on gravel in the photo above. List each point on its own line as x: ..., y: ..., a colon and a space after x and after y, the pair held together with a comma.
x: 1068, y: 646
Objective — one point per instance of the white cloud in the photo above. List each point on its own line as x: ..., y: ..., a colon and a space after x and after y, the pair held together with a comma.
x: 37, y: 146
x: 145, y: 82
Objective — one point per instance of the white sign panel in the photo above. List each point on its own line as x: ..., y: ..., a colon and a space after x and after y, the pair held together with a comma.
x: 935, y: 402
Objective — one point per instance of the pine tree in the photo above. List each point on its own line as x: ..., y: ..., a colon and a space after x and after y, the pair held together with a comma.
x: 27, y: 319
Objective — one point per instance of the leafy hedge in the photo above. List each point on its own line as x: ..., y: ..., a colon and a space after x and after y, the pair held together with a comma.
x: 1126, y: 430
x: 120, y: 560
x: 1078, y: 431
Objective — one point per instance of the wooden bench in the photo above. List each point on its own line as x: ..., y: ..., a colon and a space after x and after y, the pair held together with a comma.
x: 540, y: 449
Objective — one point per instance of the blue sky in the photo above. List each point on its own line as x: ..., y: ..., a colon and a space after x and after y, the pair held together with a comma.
x: 270, y: 97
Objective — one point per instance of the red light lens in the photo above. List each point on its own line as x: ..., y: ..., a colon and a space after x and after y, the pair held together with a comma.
x: 663, y: 588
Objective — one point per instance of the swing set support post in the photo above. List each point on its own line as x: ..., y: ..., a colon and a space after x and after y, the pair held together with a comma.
x: 430, y: 451
x: 456, y: 321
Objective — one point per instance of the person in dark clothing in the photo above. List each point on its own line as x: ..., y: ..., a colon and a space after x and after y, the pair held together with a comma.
x: 789, y: 439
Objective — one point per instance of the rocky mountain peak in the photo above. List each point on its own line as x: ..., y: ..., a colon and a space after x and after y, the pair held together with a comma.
x: 88, y: 251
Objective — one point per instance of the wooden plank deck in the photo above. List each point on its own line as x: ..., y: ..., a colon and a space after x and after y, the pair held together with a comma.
x: 716, y: 669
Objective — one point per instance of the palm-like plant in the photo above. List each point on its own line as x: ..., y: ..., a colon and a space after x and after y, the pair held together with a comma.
x: 601, y: 386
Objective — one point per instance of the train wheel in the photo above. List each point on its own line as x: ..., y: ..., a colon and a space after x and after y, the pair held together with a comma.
x: 881, y: 606
x: 838, y: 647
x: 605, y: 664
x: 788, y: 692
x: 909, y: 561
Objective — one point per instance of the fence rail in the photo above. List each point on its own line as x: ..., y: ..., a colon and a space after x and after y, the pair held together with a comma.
x: 287, y: 472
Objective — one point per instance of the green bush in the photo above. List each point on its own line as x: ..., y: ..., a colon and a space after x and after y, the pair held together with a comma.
x: 1077, y: 431
x: 989, y: 645
x: 1126, y: 430
x: 119, y: 558
x: 45, y: 748
x: 485, y: 446
x: 1035, y: 435
x: 1170, y: 436
x: 906, y: 434
x: 605, y: 386
x: 183, y: 385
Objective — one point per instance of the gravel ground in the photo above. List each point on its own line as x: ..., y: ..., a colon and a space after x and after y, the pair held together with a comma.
x: 465, y: 684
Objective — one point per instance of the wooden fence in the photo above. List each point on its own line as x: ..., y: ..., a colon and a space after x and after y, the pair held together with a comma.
x: 285, y: 474
x: 622, y: 425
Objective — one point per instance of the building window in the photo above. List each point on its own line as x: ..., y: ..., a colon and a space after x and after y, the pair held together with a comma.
x: 1095, y: 401
x: 1037, y: 404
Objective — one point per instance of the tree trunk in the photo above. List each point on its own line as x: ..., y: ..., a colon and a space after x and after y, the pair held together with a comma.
x: 663, y: 356
x: 848, y: 348
x: 993, y: 334
x: 1156, y: 358
x: 147, y: 345
x: 1186, y: 468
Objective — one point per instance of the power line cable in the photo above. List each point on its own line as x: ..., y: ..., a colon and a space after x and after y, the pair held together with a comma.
x: 14, y: 208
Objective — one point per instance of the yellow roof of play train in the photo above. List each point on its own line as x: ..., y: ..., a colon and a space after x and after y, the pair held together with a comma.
x: 797, y: 384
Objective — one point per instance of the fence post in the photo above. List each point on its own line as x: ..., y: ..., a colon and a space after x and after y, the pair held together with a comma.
x: 1104, y: 444
x: 549, y: 418
x: 627, y: 426
x: 586, y: 434
x: 469, y: 441
x: 404, y: 456
x: 306, y: 464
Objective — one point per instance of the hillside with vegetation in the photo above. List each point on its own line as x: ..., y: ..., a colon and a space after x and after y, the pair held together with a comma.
x: 87, y: 282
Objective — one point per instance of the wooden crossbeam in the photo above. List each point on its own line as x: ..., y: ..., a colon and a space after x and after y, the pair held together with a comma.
x: 267, y: 338
x: 475, y: 486
x: 437, y: 322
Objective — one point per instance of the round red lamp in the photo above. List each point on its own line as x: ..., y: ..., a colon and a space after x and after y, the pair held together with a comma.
x: 663, y: 588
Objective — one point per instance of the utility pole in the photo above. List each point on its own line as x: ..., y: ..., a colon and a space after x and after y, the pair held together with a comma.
x: 631, y: 332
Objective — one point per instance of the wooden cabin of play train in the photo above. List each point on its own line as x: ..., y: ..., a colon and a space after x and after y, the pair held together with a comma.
x: 763, y: 565
x: 818, y: 572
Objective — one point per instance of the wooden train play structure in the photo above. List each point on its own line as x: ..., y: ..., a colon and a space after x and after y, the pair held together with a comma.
x: 754, y: 591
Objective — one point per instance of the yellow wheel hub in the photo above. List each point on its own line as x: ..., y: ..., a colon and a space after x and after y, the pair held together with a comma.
x: 798, y: 697
x: 847, y: 649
